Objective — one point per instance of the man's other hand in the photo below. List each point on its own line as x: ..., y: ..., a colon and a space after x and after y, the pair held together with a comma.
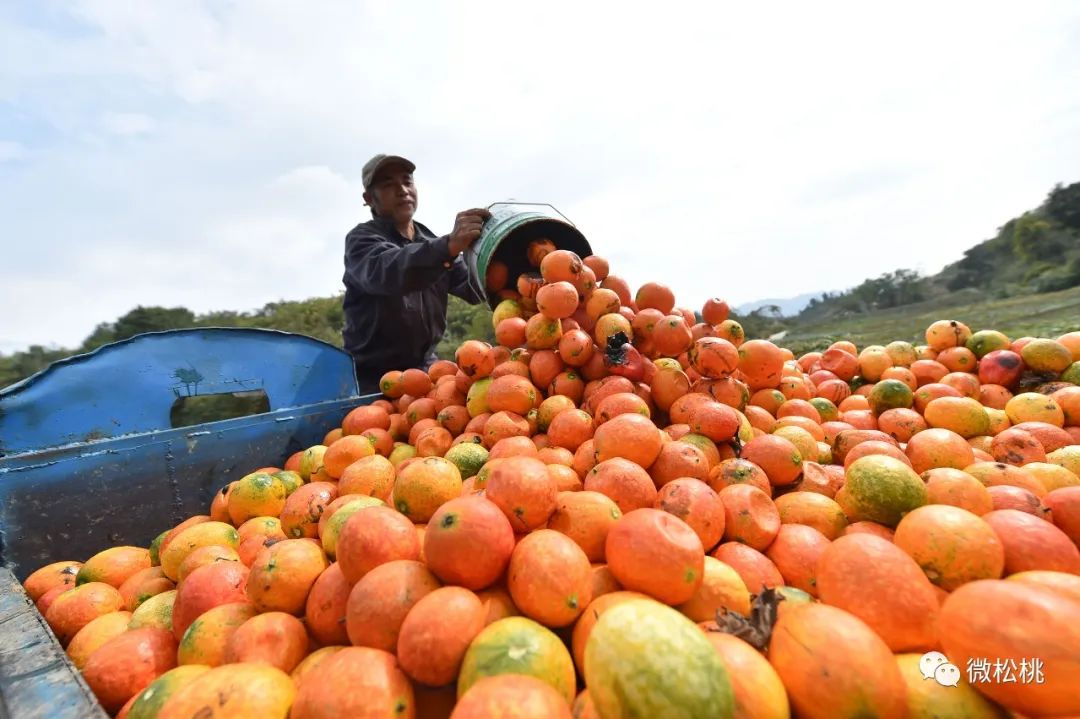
x: 467, y: 227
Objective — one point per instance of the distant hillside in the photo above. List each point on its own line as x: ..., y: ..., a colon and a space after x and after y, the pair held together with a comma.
x: 1049, y: 314
x: 788, y: 306
x: 1036, y: 252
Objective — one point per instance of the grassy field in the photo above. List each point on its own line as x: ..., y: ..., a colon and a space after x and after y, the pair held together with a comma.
x: 1045, y: 315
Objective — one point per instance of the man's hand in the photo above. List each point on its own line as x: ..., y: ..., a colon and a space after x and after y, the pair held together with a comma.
x: 467, y: 227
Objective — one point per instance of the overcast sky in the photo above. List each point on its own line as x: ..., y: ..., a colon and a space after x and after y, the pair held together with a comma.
x: 208, y: 154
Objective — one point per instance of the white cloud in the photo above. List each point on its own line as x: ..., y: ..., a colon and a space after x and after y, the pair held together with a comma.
x: 128, y: 123
x: 725, y: 150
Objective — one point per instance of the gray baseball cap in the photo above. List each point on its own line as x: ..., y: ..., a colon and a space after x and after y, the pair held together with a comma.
x: 372, y: 167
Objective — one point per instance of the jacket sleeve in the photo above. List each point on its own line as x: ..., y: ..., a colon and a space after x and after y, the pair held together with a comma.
x: 460, y: 286
x: 379, y: 267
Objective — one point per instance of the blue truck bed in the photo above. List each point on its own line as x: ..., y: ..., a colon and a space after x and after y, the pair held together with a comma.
x: 90, y: 458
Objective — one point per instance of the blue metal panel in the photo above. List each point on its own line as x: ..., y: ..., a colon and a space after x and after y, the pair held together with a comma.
x: 88, y: 460
x: 71, y: 502
x: 60, y: 498
x: 130, y: 386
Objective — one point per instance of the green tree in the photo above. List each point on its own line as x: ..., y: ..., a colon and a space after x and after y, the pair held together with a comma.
x: 21, y: 365
x: 224, y: 318
x: 1033, y: 239
x: 1063, y: 205
x: 103, y: 334
x: 892, y: 289
x: 464, y: 322
x: 1060, y: 278
x: 152, y: 319
x: 978, y: 263
x: 320, y: 317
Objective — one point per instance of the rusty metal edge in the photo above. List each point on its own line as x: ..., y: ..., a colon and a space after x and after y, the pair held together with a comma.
x: 36, y: 677
x: 112, y: 347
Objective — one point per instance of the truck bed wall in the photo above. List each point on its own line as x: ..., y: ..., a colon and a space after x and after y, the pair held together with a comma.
x: 89, y: 459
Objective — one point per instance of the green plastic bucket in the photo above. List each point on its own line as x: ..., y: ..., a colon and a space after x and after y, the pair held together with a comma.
x: 507, y: 234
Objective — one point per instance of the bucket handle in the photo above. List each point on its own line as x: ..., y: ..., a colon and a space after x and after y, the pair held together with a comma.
x: 534, y: 204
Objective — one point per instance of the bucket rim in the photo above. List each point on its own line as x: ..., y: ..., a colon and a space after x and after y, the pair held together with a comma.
x: 513, y: 218
x: 535, y: 204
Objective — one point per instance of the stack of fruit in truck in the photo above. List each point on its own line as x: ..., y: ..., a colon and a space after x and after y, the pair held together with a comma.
x: 623, y: 508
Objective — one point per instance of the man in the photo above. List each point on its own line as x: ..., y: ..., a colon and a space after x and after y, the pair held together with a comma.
x: 399, y: 275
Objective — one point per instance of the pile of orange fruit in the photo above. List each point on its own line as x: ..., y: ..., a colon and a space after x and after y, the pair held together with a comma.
x: 623, y: 511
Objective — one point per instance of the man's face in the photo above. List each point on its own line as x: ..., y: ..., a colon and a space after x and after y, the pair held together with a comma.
x: 392, y: 194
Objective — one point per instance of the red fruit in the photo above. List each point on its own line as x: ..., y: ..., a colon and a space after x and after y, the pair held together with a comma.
x: 622, y: 358
x: 756, y: 570
x: 1033, y: 543
x: 468, y: 542
x: 833, y: 665
x: 353, y: 682
x: 1064, y: 505
x: 777, y: 456
x: 127, y: 663
x: 550, y: 578
x: 436, y: 633
x: 697, y: 504
x: 1001, y: 367
x: 205, y: 588
x: 656, y: 553
x: 716, y: 421
x: 715, y: 311
x: 1009, y: 623
x: 374, y: 536
x: 524, y: 490
x: 879, y: 583
x: 379, y: 602
x: 630, y: 436
x: 512, y: 695
x: 796, y: 552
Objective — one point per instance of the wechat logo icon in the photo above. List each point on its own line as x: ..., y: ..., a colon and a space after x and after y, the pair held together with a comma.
x: 936, y: 666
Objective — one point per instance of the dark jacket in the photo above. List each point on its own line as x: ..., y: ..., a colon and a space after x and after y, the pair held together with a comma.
x: 396, y: 292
